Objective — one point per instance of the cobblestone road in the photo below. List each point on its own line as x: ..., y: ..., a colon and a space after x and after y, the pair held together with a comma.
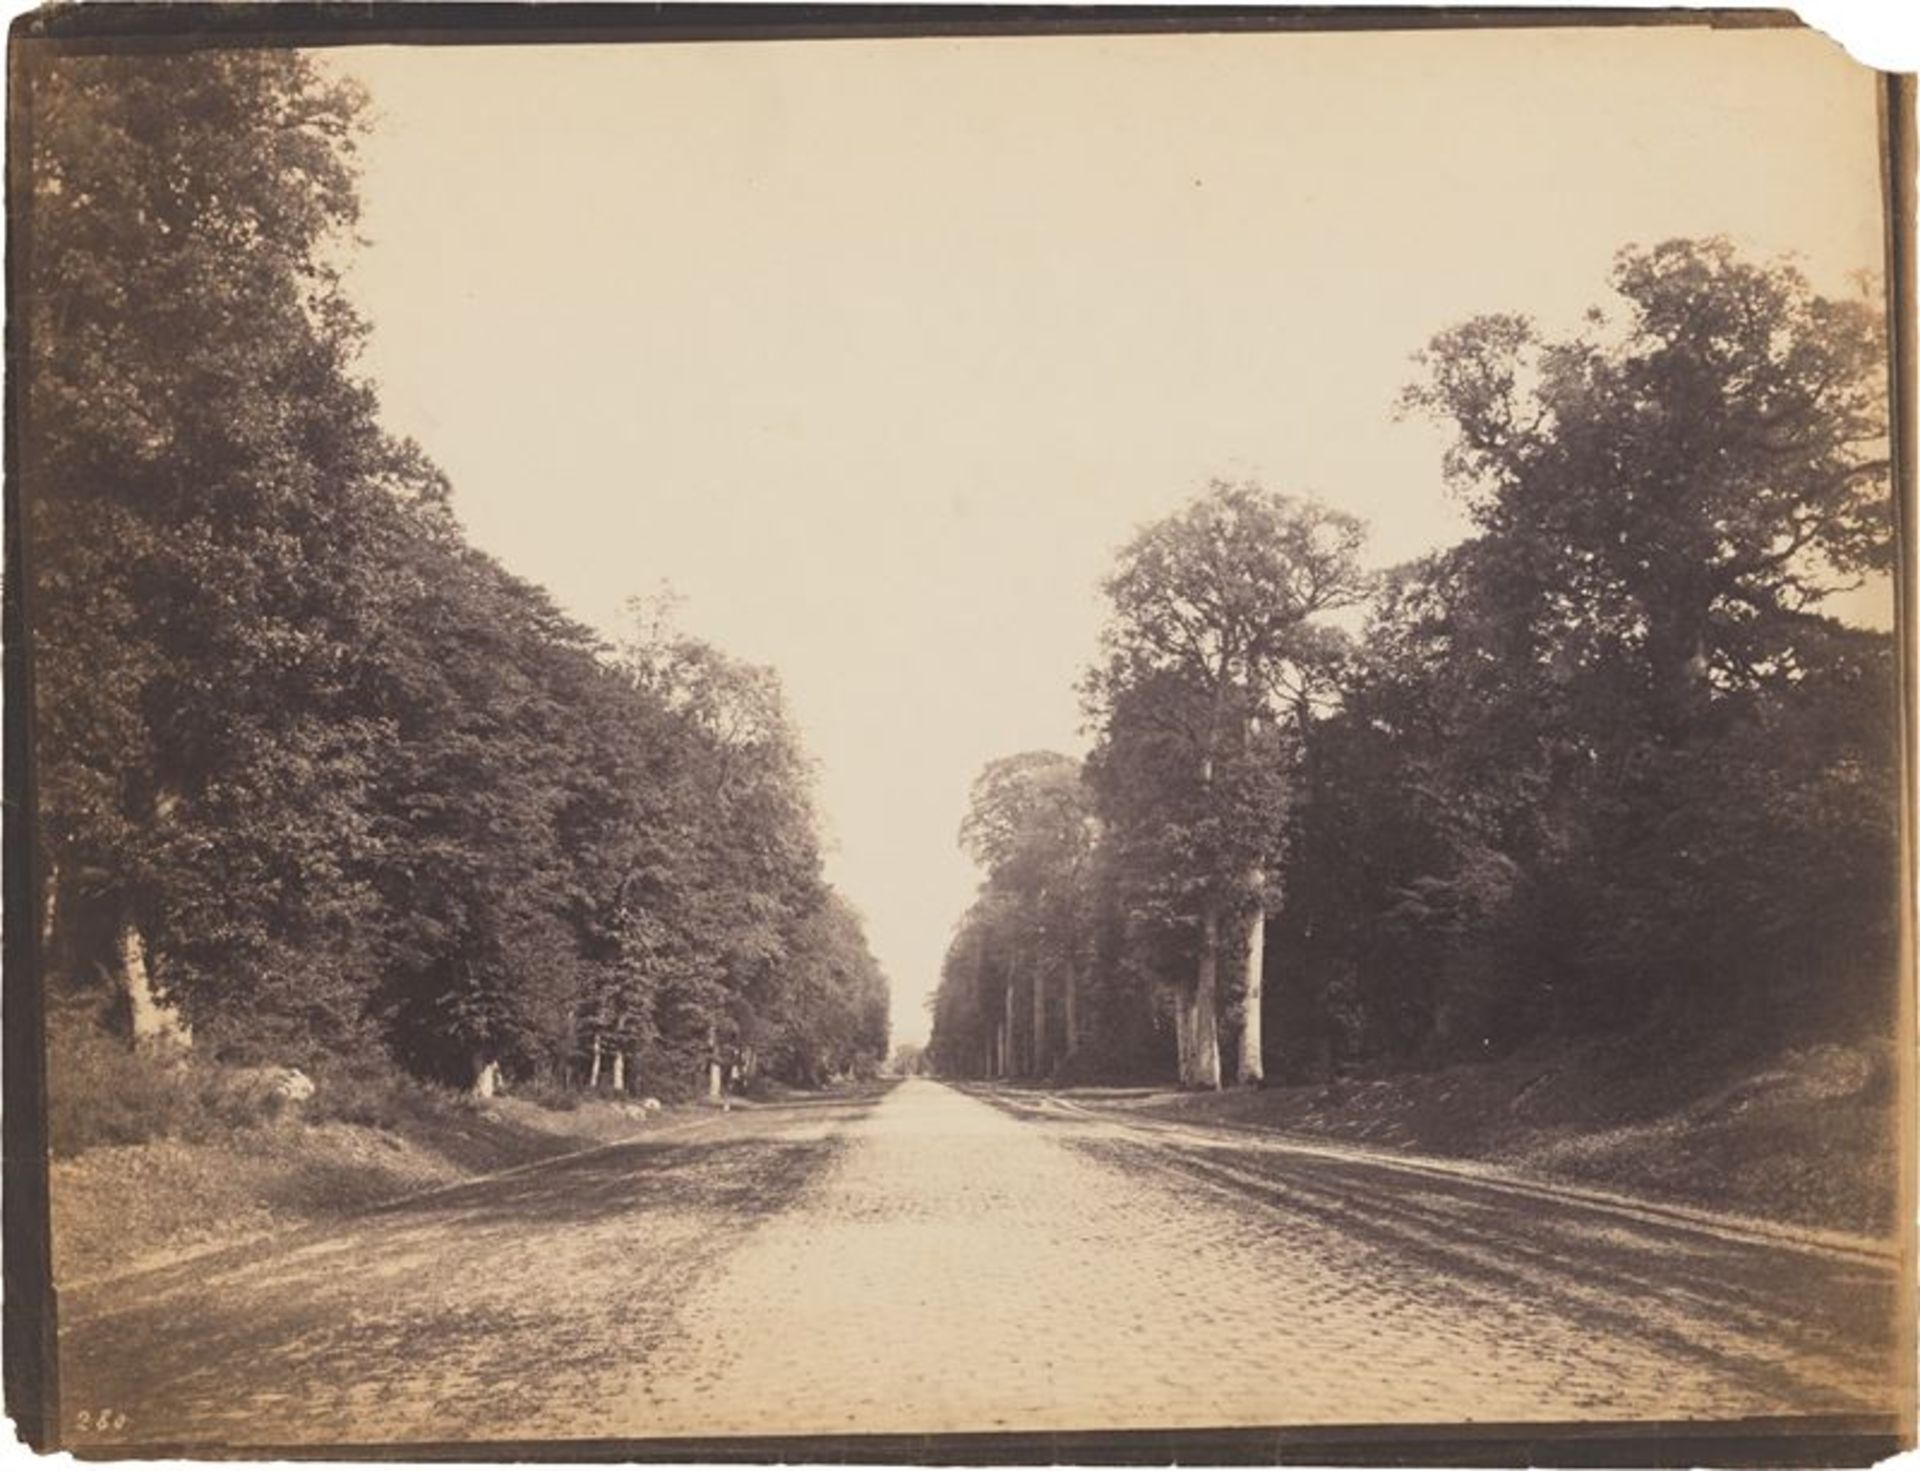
x: 933, y: 1262
x: 959, y: 1268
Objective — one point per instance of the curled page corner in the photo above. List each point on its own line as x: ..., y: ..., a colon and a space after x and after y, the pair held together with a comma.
x: 1884, y: 37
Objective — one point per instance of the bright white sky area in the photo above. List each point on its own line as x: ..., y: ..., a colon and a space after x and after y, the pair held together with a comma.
x: 876, y: 351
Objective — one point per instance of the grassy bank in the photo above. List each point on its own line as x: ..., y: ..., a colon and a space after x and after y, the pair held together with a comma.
x: 1803, y: 1134
x: 155, y: 1161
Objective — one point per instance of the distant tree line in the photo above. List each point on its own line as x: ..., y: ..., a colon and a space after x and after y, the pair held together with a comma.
x: 1605, y: 765
x: 312, y: 776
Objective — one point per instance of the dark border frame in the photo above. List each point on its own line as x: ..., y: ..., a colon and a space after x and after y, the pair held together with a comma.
x: 117, y: 24
x: 1813, y: 1441
x: 29, y: 1326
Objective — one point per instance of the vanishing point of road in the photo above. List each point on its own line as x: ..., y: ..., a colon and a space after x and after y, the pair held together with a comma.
x: 924, y: 1259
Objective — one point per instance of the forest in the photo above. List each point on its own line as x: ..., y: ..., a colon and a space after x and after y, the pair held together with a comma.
x: 1606, y: 768
x: 315, y: 781
x: 314, y: 778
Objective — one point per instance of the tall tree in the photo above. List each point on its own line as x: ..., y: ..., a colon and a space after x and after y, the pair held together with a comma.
x: 1664, y: 501
x: 202, y: 474
x: 755, y: 861
x: 829, y: 1017
x: 1689, y: 478
x: 1030, y: 828
x: 481, y: 965
x: 1216, y: 608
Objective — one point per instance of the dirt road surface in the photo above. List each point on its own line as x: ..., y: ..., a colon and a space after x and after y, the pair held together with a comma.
x: 924, y: 1260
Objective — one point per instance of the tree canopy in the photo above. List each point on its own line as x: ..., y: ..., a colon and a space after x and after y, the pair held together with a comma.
x: 312, y: 773
x: 1605, y: 765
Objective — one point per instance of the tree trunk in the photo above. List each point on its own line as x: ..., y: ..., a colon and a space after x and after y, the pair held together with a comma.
x: 1200, y: 1061
x: 1252, y: 1067
x: 1070, y: 984
x: 618, y: 1080
x: 1183, y: 1033
x: 1039, y: 1068
x: 1012, y: 1044
x: 152, y: 1023
x: 486, y: 1076
x: 593, y: 1071
x: 1204, y: 1030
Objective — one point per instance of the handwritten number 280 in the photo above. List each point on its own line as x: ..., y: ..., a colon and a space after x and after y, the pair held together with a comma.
x: 102, y: 1420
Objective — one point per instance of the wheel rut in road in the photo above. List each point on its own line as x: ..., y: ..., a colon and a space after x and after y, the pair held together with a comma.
x: 487, y: 1311
x: 963, y: 1268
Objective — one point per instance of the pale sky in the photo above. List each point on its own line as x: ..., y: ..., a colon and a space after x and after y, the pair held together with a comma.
x: 876, y: 351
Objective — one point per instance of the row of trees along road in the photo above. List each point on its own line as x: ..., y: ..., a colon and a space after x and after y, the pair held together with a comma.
x: 313, y: 777
x: 1603, y: 765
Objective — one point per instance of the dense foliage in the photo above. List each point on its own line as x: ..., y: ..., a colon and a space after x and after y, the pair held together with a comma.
x: 313, y: 775
x: 1603, y: 766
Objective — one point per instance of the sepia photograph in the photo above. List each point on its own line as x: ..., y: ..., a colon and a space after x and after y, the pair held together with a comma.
x: 957, y: 735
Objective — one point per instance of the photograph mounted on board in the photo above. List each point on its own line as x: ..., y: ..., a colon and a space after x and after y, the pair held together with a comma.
x: 1046, y: 737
